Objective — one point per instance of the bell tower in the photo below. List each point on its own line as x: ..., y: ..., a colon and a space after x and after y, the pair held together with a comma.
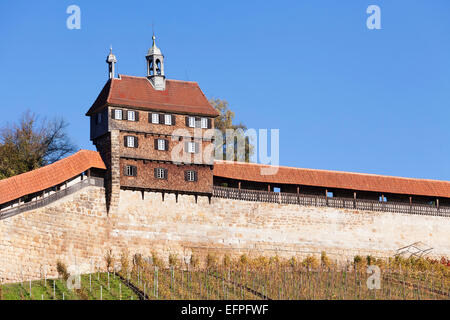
x: 111, y: 61
x: 155, y: 67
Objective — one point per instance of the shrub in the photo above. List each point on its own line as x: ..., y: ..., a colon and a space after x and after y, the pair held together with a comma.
x: 194, y: 261
x: 157, y: 261
x: 124, y: 262
x: 324, y: 260
x: 62, y: 270
x: 211, y: 261
x: 138, y: 261
x: 310, y: 262
x: 173, y: 260
x: 226, y: 260
x: 243, y: 260
x: 109, y: 259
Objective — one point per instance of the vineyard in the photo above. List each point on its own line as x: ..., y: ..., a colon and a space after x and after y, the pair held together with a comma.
x: 246, y: 279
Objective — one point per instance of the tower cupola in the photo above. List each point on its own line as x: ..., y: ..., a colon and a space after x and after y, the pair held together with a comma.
x: 155, y: 67
x: 111, y: 61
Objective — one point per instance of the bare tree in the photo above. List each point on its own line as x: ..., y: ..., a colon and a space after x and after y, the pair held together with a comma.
x: 32, y: 143
x: 225, y: 121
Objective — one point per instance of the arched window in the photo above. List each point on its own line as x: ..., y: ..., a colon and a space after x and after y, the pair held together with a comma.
x: 158, y: 67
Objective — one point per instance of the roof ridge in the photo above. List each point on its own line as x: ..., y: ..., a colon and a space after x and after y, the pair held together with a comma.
x: 171, y: 80
x: 332, y: 171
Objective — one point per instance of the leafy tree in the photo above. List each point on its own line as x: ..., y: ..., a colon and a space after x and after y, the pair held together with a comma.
x: 225, y: 121
x: 30, y: 144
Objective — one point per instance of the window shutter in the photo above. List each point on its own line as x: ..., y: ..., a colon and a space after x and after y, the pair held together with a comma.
x: 186, y: 146
x: 185, y: 176
x: 124, y: 114
x: 113, y: 113
x: 161, y: 118
x: 195, y: 176
x: 156, y: 144
x: 209, y: 123
x: 136, y: 115
x: 198, y: 123
x: 166, y: 145
x: 149, y: 117
x: 187, y: 121
x: 155, y: 172
x: 134, y: 171
x: 173, y: 120
x: 125, y: 141
x: 197, y: 147
x: 136, y: 142
x: 165, y: 173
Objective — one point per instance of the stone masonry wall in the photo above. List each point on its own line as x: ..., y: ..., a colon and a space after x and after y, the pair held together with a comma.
x: 78, y: 231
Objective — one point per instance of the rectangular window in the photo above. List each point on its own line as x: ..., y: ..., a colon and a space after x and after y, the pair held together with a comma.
x: 161, y: 144
x: 131, y: 116
x: 131, y: 142
x: 204, y: 123
x: 131, y: 171
x: 190, y: 175
x: 168, y: 119
x: 192, y: 122
x: 191, y: 147
x: 160, y: 173
x: 118, y: 114
x: 155, y: 118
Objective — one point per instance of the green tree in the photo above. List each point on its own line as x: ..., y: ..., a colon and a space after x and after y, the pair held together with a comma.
x: 30, y: 144
x: 225, y: 121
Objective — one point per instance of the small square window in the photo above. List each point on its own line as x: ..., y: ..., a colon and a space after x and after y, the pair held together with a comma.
x: 160, y: 173
x: 155, y: 118
x: 168, y: 119
x: 131, y: 116
x: 191, y: 175
x: 130, y: 171
x: 204, y: 123
x: 118, y: 114
x: 275, y: 189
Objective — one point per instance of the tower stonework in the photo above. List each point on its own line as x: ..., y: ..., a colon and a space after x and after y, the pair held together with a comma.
x: 153, y: 133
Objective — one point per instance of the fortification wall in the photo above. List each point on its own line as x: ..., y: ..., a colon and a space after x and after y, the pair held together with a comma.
x: 78, y: 231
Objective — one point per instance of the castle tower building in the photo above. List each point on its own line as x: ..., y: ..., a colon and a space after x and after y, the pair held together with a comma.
x: 153, y: 133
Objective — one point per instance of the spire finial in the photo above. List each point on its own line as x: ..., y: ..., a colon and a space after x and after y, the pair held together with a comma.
x: 154, y: 38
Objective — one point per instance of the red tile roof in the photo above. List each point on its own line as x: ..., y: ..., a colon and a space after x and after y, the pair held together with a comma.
x: 49, y: 176
x: 179, y: 96
x: 333, y: 179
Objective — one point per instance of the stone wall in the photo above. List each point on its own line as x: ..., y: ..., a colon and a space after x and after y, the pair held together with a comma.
x: 78, y: 231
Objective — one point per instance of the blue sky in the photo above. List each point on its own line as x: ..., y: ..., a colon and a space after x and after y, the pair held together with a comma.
x: 344, y: 97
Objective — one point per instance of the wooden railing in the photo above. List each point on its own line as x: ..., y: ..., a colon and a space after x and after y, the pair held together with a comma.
x: 334, y: 202
x: 41, y: 202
